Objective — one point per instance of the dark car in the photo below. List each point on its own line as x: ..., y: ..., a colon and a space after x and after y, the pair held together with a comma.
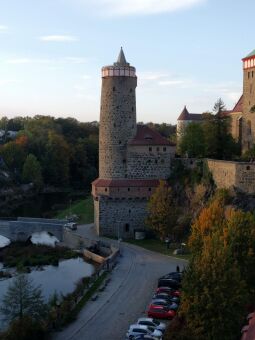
x: 168, y: 282
x: 162, y: 302
x: 177, y: 276
x: 166, y: 297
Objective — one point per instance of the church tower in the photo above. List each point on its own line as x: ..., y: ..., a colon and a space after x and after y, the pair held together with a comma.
x: 248, y: 82
x: 117, y: 117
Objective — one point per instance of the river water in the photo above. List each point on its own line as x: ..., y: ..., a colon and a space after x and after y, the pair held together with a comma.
x: 61, y: 278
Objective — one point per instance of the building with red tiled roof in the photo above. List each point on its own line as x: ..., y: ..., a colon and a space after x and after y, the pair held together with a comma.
x: 132, y: 158
x: 242, y: 116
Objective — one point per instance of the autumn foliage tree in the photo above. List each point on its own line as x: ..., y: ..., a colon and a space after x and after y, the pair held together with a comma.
x: 219, y: 280
x: 162, y: 211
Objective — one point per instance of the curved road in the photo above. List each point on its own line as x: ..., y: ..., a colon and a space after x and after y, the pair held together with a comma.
x: 125, y: 298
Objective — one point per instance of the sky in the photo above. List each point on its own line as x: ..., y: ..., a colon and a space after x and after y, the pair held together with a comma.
x: 186, y: 52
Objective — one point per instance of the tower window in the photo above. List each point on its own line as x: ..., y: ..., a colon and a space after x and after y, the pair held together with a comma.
x: 150, y: 148
x: 157, y: 148
x: 128, y: 189
x: 164, y: 148
x: 114, y: 125
x: 105, y: 189
x: 119, y: 141
x: 156, y: 161
x: 132, y: 109
x: 162, y: 161
x: 248, y: 168
x: 248, y: 75
x: 131, y: 90
x: 129, y: 211
x: 124, y: 161
x: 126, y: 227
x: 113, y: 88
x: 149, y: 189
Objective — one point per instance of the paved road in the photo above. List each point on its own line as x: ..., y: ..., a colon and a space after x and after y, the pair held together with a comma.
x: 126, y: 297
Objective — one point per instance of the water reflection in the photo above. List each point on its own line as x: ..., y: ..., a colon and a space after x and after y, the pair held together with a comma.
x: 61, y: 279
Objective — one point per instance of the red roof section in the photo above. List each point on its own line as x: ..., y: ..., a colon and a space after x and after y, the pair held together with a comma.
x: 185, y: 115
x: 146, y: 136
x: 239, y: 105
x: 125, y: 183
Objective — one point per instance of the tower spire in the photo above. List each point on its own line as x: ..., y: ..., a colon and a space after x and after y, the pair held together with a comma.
x: 121, y: 59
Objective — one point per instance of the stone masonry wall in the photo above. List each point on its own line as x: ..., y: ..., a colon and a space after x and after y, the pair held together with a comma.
x: 149, y: 161
x: 248, y: 89
x: 117, y: 124
x: 240, y: 175
x: 120, y: 217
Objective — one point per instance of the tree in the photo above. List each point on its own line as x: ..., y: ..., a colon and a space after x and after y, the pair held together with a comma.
x: 22, y: 299
x: 192, y: 141
x: 218, y: 283
x: 162, y: 211
x: 32, y: 171
x: 219, y: 106
x: 56, y: 160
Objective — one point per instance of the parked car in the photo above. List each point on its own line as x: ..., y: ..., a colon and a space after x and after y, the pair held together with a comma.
x: 166, y: 297
x: 160, y: 312
x: 71, y: 225
x: 173, y: 275
x: 169, y: 283
x: 142, y: 330
x: 165, y: 303
x: 144, y: 337
x: 153, y: 323
x: 170, y: 291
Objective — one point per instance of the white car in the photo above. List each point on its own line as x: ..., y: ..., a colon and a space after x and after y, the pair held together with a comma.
x: 71, y: 225
x: 161, y: 326
x: 136, y: 329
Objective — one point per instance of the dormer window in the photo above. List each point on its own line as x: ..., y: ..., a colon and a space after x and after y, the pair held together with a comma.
x: 147, y: 137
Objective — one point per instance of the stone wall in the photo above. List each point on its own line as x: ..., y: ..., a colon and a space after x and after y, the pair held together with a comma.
x: 240, y: 175
x: 119, y: 217
x: 147, y: 161
x: 117, y: 124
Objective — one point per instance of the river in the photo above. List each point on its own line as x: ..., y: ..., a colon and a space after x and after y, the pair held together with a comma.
x: 60, y: 279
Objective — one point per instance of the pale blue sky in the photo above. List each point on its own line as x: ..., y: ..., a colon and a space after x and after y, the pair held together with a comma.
x: 185, y: 51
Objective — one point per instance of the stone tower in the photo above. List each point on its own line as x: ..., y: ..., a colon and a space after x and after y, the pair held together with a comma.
x: 132, y: 158
x: 248, y: 82
x: 117, y: 117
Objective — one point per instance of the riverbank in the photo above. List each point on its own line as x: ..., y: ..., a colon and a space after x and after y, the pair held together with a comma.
x: 20, y: 255
x: 83, y: 208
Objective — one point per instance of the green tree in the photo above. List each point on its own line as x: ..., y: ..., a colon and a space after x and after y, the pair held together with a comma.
x: 23, y: 299
x: 163, y: 212
x: 192, y: 141
x: 219, y: 106
x: 56, y: 160
x: 14, y: 155
x: 32, y: 171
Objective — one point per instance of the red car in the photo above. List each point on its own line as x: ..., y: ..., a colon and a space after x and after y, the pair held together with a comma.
x: 160, y: 312
x: 169, y: 291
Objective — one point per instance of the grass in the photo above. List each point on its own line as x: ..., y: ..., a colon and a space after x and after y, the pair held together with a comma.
x: 19, y: 254
x: 157, y: 246
x: 82, y: 208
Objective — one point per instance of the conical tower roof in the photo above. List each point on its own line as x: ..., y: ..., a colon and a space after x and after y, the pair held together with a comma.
x: 121, y: 61
x: 184, y: 115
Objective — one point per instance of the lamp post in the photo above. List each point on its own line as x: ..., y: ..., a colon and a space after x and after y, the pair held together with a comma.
x: 119, y: 238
